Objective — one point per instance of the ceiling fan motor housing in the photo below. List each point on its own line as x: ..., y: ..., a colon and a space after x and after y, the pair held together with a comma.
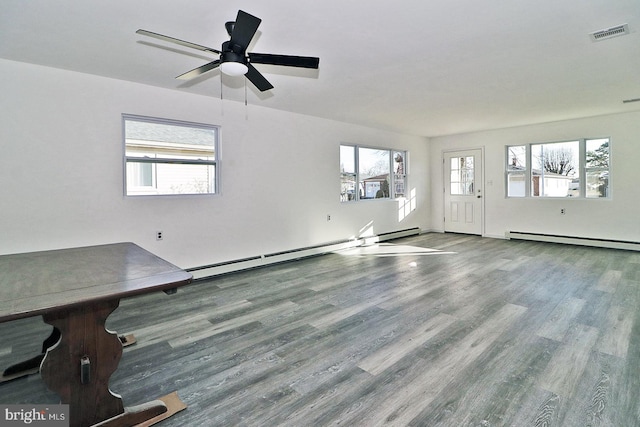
x: 233, y: 60
x: 229, y: 56
x: 230, y: 46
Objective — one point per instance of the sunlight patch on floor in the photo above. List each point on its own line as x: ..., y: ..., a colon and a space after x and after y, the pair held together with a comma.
x: 389, y: 250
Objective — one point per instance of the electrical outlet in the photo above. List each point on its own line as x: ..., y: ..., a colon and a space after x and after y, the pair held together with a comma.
x: 562, y: 211
x: 158, y: 235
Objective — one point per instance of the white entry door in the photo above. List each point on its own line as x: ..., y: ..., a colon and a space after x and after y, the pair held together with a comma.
x: 463, y: 194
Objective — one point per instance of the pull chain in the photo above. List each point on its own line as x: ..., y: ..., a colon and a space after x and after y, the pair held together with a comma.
x: 221, y: 100
x: 246, y: 108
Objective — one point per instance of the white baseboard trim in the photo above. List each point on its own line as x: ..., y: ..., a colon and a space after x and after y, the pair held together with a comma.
x: 495, y: 236
x: 207, y: 271
x: 574, y: 240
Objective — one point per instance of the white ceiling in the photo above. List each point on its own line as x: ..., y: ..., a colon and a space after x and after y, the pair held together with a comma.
x: 424, y: 67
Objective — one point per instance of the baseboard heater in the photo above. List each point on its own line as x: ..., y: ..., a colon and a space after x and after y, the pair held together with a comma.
x: 383, y: 237
x: 573, y: 240
x: 211, y: 270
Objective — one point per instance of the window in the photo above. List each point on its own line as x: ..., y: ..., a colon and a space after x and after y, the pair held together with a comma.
x: 348, y: 176
x: 169, y: 157
x: 555, y: 169
x: 371, y: 173
x: 400, y: 176
x: 462, y: 172
x: 577, y: 168
x: 516, y: 171
x: 597, y: 168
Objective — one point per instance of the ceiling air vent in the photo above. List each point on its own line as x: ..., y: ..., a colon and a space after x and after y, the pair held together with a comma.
x: 619, y: 30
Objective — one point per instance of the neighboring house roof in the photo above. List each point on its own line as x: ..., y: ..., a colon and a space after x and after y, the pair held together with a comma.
x: 159, y: 132
x: 381, y: 178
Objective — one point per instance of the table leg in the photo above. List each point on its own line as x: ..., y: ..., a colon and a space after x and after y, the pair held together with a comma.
x: 84, y: 345
x: 32, y: 365
x: 79, y: 366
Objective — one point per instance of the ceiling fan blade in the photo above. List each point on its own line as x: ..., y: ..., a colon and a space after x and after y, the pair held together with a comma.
x: 244, y: 29
x: 199, y: 70
x: 177, y: 41
x: 285, y: 60
x: 257, y: 79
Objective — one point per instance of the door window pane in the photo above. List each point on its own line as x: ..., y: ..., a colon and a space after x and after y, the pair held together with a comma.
x: 462, y: 173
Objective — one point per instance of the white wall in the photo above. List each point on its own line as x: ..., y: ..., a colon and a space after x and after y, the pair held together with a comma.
x: 617, y: 218
x: 61, y: 171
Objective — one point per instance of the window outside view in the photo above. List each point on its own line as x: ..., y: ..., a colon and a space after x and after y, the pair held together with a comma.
x: 164, y: 157
x: 597, y: 167
x: 462, y: 173
x: 516, y: 170
x: 366, y: 173
x: 373, y: 167
x: 560, y: 169
x: 348, y: 176
x: 555, y: 169
x: 400, y: 173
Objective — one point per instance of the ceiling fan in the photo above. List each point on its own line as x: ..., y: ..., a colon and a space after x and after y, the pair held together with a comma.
x: 234, y: 59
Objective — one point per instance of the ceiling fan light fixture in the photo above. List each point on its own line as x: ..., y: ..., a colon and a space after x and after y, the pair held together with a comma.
x: 234, y: 68
x: 233, y: 64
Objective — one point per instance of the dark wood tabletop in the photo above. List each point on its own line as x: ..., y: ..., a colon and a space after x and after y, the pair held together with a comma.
x: 39, y: 282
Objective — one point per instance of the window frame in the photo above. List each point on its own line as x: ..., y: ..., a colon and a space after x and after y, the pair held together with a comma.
x: 394, y: 178
x: 400, y: 176
x: 517, y: 172
x: 581, y: 175
x: 147, y: 191
x: 588, y: 169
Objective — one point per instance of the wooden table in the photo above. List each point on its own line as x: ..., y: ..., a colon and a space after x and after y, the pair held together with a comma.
x: 75, y: 290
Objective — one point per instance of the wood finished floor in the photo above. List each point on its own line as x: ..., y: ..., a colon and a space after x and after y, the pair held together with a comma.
x: 432, y: 330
